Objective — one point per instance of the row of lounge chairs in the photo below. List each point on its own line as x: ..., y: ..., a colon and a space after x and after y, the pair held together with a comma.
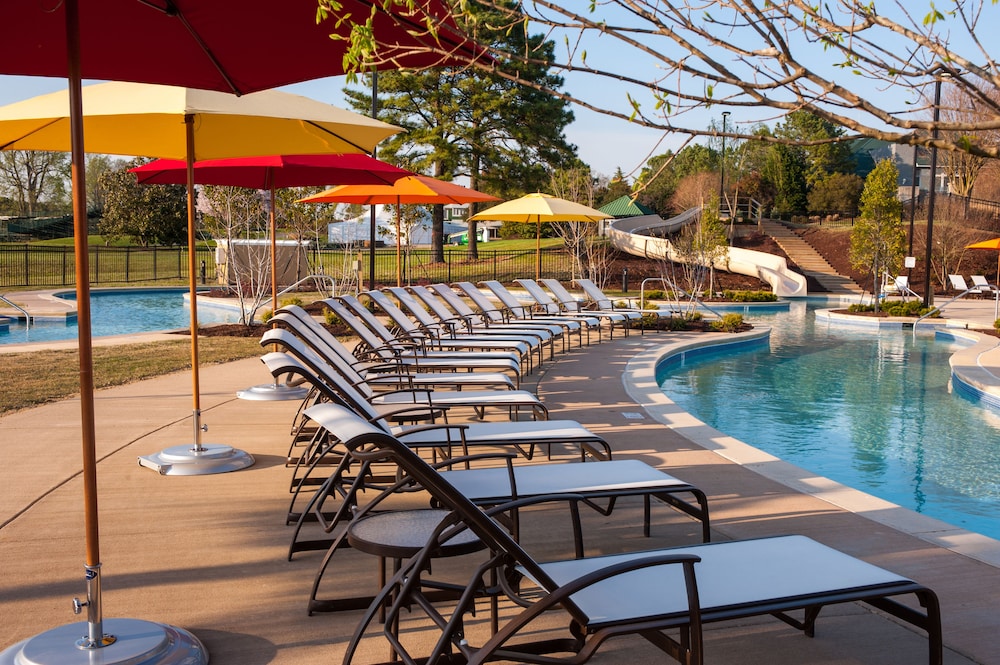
x: 379, y: 428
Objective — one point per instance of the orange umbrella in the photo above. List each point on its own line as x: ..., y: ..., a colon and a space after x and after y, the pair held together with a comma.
x: 993, y: 244
x: 414, y: 189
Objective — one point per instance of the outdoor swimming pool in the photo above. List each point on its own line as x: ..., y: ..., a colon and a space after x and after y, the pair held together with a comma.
x: 121, y: 312
x: 871, y: 410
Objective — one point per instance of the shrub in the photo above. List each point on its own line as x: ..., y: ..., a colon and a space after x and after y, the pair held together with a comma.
x: 749, y: 296
x: 996, y: 325
x: 331, y: 318
x: 266, y: 315
x: 294, y: 300
x: 677, y: 323
x: 728, y: 323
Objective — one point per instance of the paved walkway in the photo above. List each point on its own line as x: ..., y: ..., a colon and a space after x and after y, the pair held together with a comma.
x: 208, y: 553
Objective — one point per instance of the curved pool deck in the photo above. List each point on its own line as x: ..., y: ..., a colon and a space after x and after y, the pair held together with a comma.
x: 209, y: 553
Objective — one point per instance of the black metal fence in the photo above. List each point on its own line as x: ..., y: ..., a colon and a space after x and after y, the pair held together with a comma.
x: 31, y: 266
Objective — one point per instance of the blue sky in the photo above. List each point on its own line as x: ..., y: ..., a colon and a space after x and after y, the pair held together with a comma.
x: 604, y: 143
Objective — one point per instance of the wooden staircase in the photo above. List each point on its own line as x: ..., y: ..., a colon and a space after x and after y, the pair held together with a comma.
x: 809, y: 260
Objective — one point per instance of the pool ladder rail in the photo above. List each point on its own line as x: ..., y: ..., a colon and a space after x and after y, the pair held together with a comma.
x: 27, y: 316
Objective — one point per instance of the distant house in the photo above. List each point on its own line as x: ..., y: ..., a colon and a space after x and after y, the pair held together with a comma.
x: 912, y: 162
x: 358, y: 230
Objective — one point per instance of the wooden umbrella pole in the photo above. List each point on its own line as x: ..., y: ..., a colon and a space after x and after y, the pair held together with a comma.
x: 95, y: 637
x: 274, y: 256
x: 193, y: 285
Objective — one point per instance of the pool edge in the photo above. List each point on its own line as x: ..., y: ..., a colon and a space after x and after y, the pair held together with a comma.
x: 639, y: 379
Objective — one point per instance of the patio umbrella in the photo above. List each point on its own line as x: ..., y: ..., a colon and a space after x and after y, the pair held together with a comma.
x: 236, y: 46
x: 414, y: 189
x: 49, y: 41
x: 165, y: 121
x: 270, y: 173
x: 993, y: 244
x: 540, y: 208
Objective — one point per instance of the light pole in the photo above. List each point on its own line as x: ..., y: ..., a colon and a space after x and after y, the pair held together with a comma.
x: 928, y: 294
x: 722, y: 161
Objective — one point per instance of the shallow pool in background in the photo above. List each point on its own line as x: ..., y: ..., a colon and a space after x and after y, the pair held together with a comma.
x: 122, y: 312
x: 872, y: 410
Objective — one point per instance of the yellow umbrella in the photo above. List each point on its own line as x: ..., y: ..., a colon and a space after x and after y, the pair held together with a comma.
x: 994, y: 244
x: 540, y: 208
x: 184, y: 123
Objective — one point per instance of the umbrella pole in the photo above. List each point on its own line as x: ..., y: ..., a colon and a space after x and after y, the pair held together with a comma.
x: 538, y: 248
x: 274, y: 259
x: 142, y: 642
x: 274, y: 391
x: 185, y: 460
x: 95, y: 633
x: 399, y: 241
x: 193, y: 287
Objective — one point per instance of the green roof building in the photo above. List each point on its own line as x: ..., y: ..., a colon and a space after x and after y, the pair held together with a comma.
x: 626, y: 207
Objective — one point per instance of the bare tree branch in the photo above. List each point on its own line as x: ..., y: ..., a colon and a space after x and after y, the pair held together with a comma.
x: 862, y: 65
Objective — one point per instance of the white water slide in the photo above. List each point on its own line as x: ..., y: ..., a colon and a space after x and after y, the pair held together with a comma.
x: 630, y: 234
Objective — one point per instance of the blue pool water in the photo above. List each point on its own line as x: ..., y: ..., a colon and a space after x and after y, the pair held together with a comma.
x: 121, y: 312
x: 872, y: 410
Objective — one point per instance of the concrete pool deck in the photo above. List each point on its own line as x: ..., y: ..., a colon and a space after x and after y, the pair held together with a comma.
x: 208, y: 553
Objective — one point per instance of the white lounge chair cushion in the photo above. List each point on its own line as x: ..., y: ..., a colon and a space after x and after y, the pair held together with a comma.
x: 611, y: 477
x: 730, y: 574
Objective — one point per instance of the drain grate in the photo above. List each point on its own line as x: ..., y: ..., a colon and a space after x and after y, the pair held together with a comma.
x: 633, y: 415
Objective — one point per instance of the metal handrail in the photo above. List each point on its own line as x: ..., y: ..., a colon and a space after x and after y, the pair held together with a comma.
x: 936, y: 309
x: 317, y: 279
x: 675, y: 288
x: 27, y: 316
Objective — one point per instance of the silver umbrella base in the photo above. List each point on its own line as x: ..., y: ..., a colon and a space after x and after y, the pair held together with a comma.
x: 273, y: 392
x: 135, y: 642
x: 189, y: 461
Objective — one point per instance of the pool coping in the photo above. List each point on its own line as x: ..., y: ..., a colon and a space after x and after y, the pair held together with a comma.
x: 639, y: 379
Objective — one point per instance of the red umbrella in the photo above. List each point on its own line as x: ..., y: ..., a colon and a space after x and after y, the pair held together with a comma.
x: 235, y: 46
x: 194, y: 43
x: 274, y: 172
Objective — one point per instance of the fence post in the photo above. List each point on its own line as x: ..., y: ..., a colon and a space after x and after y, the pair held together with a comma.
x: 27, y: 265
x: 494, y: 265
x: 128, y: 262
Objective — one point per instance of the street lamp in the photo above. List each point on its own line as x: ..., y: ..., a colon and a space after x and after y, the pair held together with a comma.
x: 928, y: 294
x: 722, y: 161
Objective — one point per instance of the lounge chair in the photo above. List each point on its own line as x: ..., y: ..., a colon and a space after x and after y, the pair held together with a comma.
x: 328, y: 367
x: 436, y: 339
x: 984, y: 287
x: 488, y: 487
x: 600, y: 484
x: 563, y: 295
x: 378, y: 342
x: 454, y: 312
x: 523, y: 436
x: 385, y: 373
x: 434, y: 316
x: 604, y: 303
x: 899, y: 285
x: 958, y: 284
x: 487, y: 313
x: 664, y: 596
x: 572, y: 308
x: 521, y: 311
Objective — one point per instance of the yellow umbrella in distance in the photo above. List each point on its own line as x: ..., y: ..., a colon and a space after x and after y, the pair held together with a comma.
x: 540, y: 208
